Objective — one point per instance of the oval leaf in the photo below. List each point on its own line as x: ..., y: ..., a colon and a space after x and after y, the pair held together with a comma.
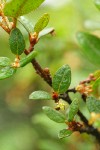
x: 73, y: 109
x: 28, y: 58
x: 46, y: 31
x: 4, y: 61
x: 62, y: 79
x: 42, y: 23
x: 16, y: 8
x: 40, y: 95
x: 7, y: 72
x: 97, y: 81
x: 54, y: 115
x: 64, y: 133
x: 91, y: 47
x: 17, y: 42
x: 26, y: 23
x: 93, y: 104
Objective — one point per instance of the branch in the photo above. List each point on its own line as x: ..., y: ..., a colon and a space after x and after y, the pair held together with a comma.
x: 89, y: 129
x: 45, y: 74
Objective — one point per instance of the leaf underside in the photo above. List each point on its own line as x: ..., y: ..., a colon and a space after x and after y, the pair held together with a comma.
x: 64, y: 133
x: 7, y: 72
x: 4, y: 61
x: 54, y: 115
x: 40, y: 95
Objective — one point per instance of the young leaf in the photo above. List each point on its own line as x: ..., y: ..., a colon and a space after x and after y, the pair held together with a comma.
x: 42, y: 23
x: 46, y: 31
x: 96, y: 83
x: 26, y: 23
x: 54, y: 114
x: 62, y: 79
x: 64, y: 133
x: 7, y: 72
x: 16, y: 8
x: 73, y: 109
x: 4, y: 61
x: 91, y: 46
x: 16, y: 41
x: 97, y: 3
x: 40, y: 95
x: 28, y: 59
x: 96, y: 87
x: 93, y: 104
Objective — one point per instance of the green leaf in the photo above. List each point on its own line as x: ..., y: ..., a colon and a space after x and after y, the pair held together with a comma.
x: 16, y: 41
x: 73, y: 109
x: 97, y: 74
x: 91, y: 46
x: 40, y: 95
x: 46, y: 31
x: 96, y: 83
x: 93, y: 104
x: 4, y: 61
x: 97, y: 3
x: 7, y: 72
x: 62, y: 79
x: 64, y: 133
x: 54, y: 115
x: 16, y: 8
x: 26, y: 23
x: 28, y: 58
x: 42, y: 23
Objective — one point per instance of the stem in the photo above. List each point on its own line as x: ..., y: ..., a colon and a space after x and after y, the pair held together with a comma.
x: 47, y: 78
x: 92, y: 131
x: 89, y: 128
x: 41, y: 72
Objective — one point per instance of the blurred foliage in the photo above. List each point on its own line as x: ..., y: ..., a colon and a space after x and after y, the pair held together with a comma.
x: 23, y: 126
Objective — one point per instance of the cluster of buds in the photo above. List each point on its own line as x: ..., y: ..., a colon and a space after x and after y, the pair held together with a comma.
x: 55, y: 97
x: 33, y: 38
x: 84, y: 87
x: 16, y: 63
x: 89, y: 79
x: 60, y: 106
x: 94, y: 117
x: 74, y: 126
x: 4, y: 22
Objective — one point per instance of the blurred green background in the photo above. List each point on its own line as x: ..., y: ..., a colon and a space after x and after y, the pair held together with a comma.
x: 23, y: 126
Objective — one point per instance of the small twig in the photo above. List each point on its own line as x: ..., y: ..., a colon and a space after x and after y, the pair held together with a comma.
x: 14, y: 23
x: 73, y: 90
x: 47, y: 77
x: 5, y: 28
x: 41, y: 72
x: 89, y: 128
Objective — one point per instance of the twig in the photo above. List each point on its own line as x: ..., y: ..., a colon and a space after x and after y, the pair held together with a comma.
x: 47, y: 77
x: 41, y: 72
x: 89, y: 128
